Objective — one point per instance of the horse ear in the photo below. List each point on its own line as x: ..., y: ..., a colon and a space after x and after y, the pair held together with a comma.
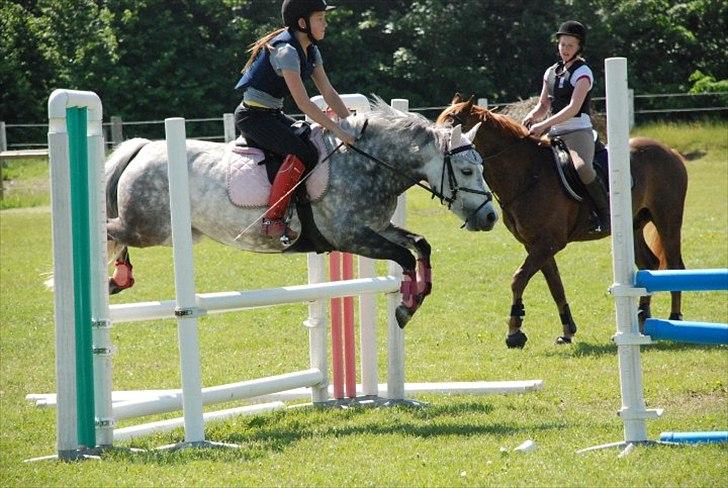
x: 470, y: 135
x: 455, y: 137
x: 472, y: 98
x: 456, y: 99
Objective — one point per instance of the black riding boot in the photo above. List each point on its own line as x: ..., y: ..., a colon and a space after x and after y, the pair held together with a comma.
x: 599, y: 196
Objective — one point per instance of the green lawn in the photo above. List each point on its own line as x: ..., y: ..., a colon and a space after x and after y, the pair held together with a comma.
x: 456, y: 336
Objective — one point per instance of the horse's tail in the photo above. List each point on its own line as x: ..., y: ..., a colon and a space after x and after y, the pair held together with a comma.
x: 667, y: 202
x: 115, y: 166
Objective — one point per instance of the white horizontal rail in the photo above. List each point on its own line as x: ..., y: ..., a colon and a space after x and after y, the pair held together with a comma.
x: 449, y: 388
x: 126, y: 433
x: 240, y: 300
x: 414, y: 389
x: 220, y: 393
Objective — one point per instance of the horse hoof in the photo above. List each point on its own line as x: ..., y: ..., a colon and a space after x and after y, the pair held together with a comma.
x: 516, y: 340
x: 403, y: 315
x: 675, y: 316
x: 562, y: 340
x: 115, y: 288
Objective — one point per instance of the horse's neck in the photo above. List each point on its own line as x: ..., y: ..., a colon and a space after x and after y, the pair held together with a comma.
x: 510, y: 163
x: 393, y: 174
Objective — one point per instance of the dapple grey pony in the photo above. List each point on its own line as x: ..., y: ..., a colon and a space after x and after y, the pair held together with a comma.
x: 353, y: 215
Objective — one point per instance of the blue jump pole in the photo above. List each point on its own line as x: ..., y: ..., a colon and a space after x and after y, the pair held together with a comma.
x: 692, y: 332
x: 695, y: 437
x: 683, y: 280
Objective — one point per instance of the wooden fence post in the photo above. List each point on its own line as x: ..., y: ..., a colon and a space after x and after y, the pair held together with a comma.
x: 3, y: 148
x: 117, y: 135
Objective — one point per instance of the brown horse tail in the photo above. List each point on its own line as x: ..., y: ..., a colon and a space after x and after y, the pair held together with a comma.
x: 115, y: 166
x: 652, y: 238
x: 662, y: 233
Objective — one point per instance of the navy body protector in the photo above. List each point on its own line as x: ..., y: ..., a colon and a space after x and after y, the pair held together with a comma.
x: 261, y: 75
x: 559, y: 86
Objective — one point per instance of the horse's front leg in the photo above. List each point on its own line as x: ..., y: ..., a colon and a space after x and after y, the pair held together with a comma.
x: 419, y: 245
x: 553, y: 279
x: 392, y: 244
x: 538, y: 254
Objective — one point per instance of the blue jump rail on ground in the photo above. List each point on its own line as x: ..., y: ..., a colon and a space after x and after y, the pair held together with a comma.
x: 690, y: 332
x: 694, y: 437
x: 683, y: 280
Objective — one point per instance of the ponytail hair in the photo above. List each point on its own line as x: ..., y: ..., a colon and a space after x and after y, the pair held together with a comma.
x: 255, y: 47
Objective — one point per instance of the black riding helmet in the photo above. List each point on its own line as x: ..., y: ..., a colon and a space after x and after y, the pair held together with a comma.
x: 292, y: 10
x: 572, y: 28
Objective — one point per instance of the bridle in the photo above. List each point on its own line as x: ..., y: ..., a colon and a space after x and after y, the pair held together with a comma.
x: 459, y: 119
x: 447, y: 168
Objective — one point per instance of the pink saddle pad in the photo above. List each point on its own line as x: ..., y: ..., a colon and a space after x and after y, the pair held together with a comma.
x: 247, y: 181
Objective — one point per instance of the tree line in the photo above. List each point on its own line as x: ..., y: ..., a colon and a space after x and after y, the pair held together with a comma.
x: 156, y: 58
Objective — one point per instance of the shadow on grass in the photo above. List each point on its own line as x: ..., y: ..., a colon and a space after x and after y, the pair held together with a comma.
x: 583, y: 349
x: 587, y: 349
x: 261, y: 436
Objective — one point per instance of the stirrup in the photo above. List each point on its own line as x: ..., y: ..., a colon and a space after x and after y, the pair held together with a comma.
x: 273, y: 227
x: 278, y: 228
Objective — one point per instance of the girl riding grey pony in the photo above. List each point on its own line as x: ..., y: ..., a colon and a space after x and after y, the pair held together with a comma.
x: 279, y: 63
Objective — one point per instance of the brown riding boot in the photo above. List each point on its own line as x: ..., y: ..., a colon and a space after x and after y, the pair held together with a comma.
x: 281, y: 193
x: 600, y: 198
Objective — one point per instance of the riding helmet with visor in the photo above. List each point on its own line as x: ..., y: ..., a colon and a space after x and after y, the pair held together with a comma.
x: 572, y: 28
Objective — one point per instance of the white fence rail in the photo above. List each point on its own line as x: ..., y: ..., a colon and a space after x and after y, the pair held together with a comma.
x: 114, y: 134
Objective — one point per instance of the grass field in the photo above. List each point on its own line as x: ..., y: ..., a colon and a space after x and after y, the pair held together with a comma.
x: 456, y: 336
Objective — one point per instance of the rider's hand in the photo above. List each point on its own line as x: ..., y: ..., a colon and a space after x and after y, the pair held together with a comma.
x: 344, y: 136
x: 537, y: 130
x: 527, y: 120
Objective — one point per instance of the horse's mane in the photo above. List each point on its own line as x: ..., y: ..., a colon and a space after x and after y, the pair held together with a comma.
x: 500, y: 122
x: 393, y: 120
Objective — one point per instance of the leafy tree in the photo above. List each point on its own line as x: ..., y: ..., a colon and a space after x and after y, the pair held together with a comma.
x: 150, y: 59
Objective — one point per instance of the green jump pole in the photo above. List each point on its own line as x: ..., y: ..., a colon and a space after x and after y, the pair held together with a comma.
x: 80, y: 221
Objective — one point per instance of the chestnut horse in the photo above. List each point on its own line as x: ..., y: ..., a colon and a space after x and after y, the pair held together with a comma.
x: 541, y: 216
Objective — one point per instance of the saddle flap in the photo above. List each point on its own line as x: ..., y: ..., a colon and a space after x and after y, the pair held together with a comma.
x: 568, y: 175
x: 248, y: 185
x: 565, y: 168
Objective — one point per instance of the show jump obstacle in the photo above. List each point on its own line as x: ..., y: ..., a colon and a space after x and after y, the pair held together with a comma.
x: 630, y: 285
x: 87, y: 408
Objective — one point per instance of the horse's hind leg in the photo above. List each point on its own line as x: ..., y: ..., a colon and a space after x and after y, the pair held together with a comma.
x: 553, y: 279
x: 122, y: 277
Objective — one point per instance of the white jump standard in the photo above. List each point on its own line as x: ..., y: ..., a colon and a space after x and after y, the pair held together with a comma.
x: 629, y: 286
